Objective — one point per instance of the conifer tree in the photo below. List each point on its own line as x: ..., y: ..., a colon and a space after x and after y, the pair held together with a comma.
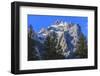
x: 82, y: 51
x: 52, y: 48
x: 31, y: 45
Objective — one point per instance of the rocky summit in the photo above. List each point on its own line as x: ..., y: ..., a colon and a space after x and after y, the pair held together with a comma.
x: 68, y: 35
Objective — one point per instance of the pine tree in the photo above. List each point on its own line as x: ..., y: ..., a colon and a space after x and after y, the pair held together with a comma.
x: 82, y: 51
x: 31, y: 45
x: 52, y: 48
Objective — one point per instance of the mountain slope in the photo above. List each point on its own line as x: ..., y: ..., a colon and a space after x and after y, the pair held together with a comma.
x: 68, y: 35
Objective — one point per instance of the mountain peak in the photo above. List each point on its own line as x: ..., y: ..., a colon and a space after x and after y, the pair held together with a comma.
x: 43, y: 30
x: 63, y: 26
x: 57, y: 22
x: 68, y: 34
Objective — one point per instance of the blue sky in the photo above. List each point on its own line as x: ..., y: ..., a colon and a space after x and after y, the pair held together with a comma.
x: 43, y: 21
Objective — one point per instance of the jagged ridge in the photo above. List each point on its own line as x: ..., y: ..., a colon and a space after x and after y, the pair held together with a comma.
x: 68, y: 36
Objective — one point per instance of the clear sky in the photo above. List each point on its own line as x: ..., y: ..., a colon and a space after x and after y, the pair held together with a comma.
x: 43, y: 21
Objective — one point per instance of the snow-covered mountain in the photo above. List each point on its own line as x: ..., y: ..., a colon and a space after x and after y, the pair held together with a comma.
x: 68, y: 36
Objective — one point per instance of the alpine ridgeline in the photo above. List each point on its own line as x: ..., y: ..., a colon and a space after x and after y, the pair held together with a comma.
x: 67, y: 34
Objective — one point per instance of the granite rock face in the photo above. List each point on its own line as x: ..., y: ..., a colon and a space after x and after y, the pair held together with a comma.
x: 68, y: 35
